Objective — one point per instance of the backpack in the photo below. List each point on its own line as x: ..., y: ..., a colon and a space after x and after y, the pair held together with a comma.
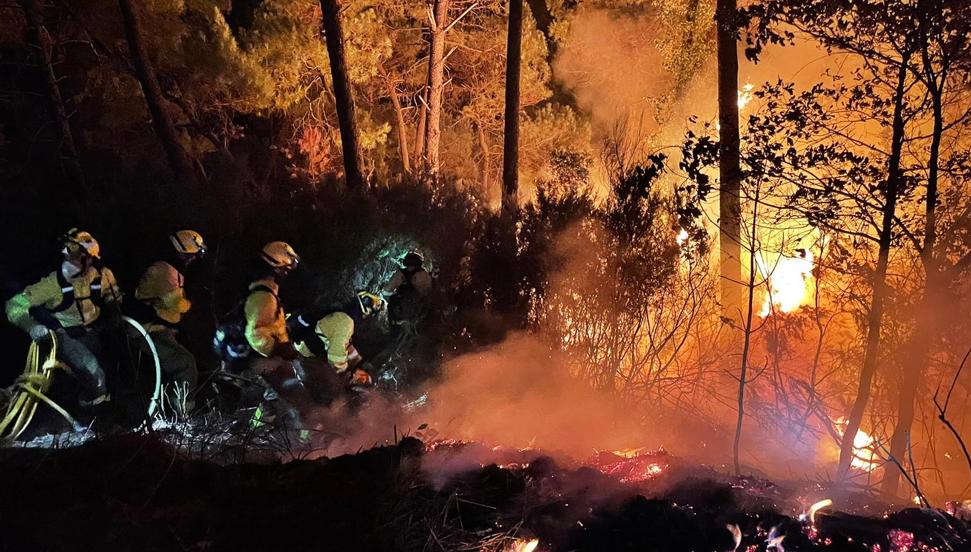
x: 229, y: 342
x: 406, y: 302
x: 302, y: 328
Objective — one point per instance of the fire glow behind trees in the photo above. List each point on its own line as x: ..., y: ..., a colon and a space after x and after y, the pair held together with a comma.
x: 853, y: 181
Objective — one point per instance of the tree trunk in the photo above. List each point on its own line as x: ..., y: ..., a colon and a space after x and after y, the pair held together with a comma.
x: 402, y: 129
x: 877, y: 304
x: 436, y: 85
x: 729, y: 171
x: 40, y: 39
x: 743, y: 372
x: 926, y: 329
x: 161, y: 121
x: 510, y: 144
x: 350, y: 147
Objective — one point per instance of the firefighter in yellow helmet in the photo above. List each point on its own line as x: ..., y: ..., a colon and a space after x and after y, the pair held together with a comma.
x: 266, y: 324
x: 70, y: 302
x: 266, y: 329
x: 161, y: 294
x: 328, y: 333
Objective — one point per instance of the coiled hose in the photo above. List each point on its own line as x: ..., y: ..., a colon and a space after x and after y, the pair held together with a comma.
x: 29, y: 390
x: 31, y: 387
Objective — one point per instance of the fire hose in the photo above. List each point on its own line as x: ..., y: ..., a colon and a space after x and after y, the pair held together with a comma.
x: 32, y: 386
x: 157, y: 389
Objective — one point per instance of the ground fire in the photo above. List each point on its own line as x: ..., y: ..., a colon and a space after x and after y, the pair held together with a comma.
x: 508, y: 276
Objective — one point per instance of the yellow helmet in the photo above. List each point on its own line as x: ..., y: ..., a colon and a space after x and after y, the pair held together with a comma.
x: 369, y: 302
x: 279, y: 254
x: 188, y: 242
x: 75, y: 239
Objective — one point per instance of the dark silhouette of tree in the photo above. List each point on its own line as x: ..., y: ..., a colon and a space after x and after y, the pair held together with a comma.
x: 161, y: 120
x: 510, y: 148
x: 729, y: 196
x: 40, y: 39
x: 344, y: 98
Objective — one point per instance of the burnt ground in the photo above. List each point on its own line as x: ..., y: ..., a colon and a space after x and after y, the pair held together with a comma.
x: 135, y: 492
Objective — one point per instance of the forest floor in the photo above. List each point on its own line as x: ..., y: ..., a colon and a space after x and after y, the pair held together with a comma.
x: 139, y: 491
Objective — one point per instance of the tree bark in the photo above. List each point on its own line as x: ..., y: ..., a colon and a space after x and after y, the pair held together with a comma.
x: 343, y: 97
x: 878, y: 301
x: 40, y: 39
x: 161, y: 121
x: 402, y: 129
x: 510, y: 144
x: 729, y: 165
x: 436, y: 86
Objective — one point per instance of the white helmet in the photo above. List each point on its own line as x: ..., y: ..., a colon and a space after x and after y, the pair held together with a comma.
x: 188, y: 242
x: 279, y: 254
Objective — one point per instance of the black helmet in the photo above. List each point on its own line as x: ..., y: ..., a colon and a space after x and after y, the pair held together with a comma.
x: 412, y: 260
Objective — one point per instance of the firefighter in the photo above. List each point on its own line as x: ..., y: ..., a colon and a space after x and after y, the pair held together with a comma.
x: 161, y: 293
x: 73, y: 302
x: 328, y: 334
x: 408, y: 289
x: 266, y: 330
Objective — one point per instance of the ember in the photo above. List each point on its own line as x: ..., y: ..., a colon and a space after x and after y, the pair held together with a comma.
x: 631, y: 465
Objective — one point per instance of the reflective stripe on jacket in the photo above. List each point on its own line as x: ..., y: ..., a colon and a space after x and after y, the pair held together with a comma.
x: 85, y: 291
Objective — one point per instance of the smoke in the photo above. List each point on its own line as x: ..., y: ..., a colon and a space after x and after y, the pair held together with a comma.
x: 613, y: 68
x: 612, y: 64
x: 520, y: 394
x: 516, y: 394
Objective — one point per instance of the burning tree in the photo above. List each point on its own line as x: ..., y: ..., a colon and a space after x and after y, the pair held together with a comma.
x: 901, y: 71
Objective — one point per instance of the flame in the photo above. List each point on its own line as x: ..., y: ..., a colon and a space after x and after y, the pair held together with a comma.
x: 864, y: 448
x: 825, y: 503
x: 522, y: 545
x: 682, y: 237
x: 788, y: 280
x: 745, y: 95
x: 629, y: 452
x: 736, y: 534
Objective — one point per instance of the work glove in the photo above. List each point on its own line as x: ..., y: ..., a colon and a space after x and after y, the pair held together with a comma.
x: 38, y: 332
x: 360, y: 377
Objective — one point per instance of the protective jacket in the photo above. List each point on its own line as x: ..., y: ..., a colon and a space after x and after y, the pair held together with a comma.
x: 69, y: 298
x: 331, y: 337
x: 266, y: 323
x: 162, y: 287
